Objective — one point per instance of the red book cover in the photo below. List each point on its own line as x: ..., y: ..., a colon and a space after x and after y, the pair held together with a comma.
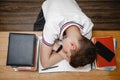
x: 109, y: 43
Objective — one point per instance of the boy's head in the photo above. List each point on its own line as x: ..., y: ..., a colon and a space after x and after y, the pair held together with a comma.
x: 84, y: 52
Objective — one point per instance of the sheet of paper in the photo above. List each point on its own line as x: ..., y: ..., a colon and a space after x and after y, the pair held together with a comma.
x: 63, y: 66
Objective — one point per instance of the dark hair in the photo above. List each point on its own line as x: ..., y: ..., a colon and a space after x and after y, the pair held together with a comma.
x: 86, y: 54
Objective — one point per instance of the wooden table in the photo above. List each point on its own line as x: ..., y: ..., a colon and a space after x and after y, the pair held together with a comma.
x: 7, y: 73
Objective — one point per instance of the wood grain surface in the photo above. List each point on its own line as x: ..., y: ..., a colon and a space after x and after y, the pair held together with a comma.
x: 7, y: 73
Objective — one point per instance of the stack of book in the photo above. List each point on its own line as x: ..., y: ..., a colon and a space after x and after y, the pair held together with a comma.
x: 22, y: 51
x: 106, y: 49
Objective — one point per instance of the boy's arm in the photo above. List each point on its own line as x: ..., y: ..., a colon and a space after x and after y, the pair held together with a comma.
x: 49, y: 58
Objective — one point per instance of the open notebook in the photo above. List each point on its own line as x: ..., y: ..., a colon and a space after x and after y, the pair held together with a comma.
x: 62, y: 66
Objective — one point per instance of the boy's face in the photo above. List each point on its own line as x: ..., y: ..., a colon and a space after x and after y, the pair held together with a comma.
x: 68, y: 46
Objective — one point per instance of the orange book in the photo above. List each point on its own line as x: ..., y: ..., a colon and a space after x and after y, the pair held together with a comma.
x: 109, y: 44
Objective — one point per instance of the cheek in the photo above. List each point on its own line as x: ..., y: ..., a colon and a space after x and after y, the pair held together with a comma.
x: 64, y: 48
x: 64, y: 43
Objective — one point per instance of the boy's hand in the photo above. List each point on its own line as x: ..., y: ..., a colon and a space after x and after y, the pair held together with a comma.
x: 56, y: 46
x: 63, y: 54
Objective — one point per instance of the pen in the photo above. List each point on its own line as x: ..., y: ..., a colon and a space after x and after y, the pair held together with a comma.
x: 60, y: 47
x: 49, y: 68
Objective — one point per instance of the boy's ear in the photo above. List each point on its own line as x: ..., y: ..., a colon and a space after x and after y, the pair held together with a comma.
x: 74, y: 46
x: 93, y: 40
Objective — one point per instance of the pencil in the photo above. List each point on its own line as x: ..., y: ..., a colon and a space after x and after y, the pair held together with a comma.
x: 49, y: 68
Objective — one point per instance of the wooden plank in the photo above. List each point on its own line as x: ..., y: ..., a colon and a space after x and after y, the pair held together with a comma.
x: 17, y: 19
x: 44, y: 0
x: 29, y: 27
x: 19, y: 6
x: 104, y: 26
x: 97, y: 13
x: 21, y: 0
x: 16, y: 27
x: 32, y: 19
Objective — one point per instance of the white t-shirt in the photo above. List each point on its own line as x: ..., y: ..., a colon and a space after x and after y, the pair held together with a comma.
x: 59, y: 15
